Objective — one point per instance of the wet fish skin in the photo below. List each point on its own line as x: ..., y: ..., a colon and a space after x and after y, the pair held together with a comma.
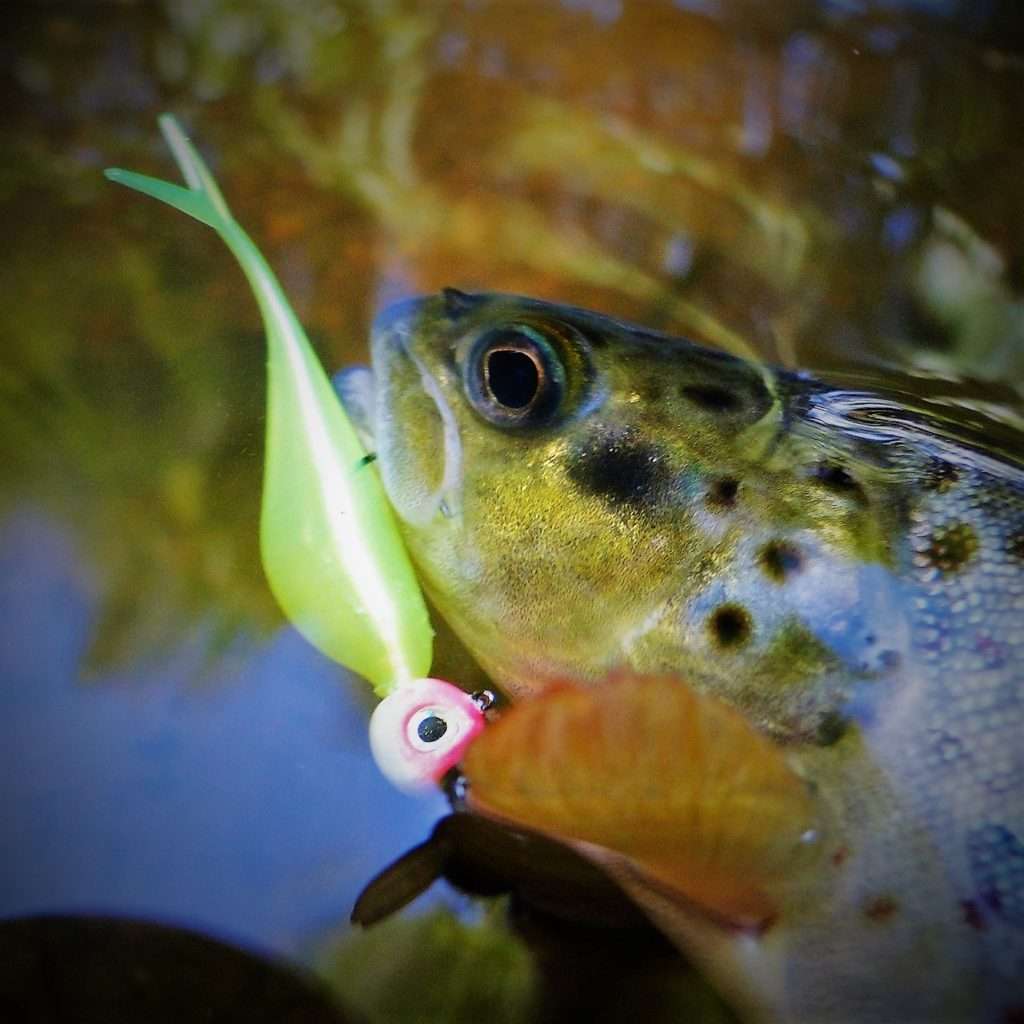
x: 840, y: 569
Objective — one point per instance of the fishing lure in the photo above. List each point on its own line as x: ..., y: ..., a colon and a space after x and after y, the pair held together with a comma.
x: 330, y: 547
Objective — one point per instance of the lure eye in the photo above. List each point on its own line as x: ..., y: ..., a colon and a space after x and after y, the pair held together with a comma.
x: 430, y: 729
x: 515, y: 377
x: 421, y: 730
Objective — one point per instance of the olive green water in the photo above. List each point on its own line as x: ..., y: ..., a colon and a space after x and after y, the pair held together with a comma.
x: 837, y: 186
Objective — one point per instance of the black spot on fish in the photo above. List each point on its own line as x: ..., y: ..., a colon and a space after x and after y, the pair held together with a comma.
x: 951, y: 547
x: 996, y: 859
x: 972, y: 915
x: 881, y: 908
x: 995, y: 654
x: 945, y: 749
x: 889, y: 660
x: 711, y: 398
x: 837, y: 479
x: 1015, y: 545
x: 832, y: 727
x: 940, y: 476
x: 779, y: 559
x: 367, y: 459
x: 730, y: 625
x: 619, y: 468
x: 722, y: 493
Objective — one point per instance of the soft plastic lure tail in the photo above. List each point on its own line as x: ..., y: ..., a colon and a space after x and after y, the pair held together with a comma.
x: 330, y: 546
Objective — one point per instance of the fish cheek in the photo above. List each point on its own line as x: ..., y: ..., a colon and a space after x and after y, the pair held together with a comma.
x: 515, y: 527
x: 423, y: 456
x: 409, y: 439
x: 557, y: 524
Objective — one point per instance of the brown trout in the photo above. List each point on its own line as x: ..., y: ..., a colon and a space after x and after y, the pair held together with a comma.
x: 582, y: 496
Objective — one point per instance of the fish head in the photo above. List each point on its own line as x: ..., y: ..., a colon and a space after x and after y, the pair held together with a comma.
x: 556, y: 472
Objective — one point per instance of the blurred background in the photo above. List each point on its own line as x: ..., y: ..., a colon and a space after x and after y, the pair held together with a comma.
x: 836, y: 185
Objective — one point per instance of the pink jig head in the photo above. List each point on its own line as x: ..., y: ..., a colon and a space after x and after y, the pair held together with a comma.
x: 422, y: 728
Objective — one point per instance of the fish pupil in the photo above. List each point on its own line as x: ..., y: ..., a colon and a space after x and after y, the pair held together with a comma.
x: 431, y: 729
x: 513, y: 377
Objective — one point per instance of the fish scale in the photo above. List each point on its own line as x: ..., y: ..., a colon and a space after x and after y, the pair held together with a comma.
x: 968, y: 614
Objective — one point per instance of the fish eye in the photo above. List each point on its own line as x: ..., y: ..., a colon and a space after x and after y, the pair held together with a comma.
x: 433, y: 729
x: 514, y: 376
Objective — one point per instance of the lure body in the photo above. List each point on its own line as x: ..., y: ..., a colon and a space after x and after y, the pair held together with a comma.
x: 331, y: 551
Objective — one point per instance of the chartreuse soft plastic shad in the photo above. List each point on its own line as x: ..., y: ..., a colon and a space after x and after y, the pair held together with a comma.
x: 331, y: 549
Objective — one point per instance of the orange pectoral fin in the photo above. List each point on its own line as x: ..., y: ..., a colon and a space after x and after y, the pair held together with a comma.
x: 678, y: 783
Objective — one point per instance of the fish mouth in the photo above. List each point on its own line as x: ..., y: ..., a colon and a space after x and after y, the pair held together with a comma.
x: 401, y: 414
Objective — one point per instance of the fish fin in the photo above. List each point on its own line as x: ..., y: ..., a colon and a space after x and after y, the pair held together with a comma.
x: 725, y: 902
x: 676, y: 781
x: 401, y: 882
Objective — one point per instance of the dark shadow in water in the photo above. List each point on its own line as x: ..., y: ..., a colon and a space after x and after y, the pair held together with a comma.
x: 108, y: 970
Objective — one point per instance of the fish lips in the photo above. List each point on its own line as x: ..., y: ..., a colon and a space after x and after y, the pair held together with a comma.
x: 356, y: 387
x: 401, y: 413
